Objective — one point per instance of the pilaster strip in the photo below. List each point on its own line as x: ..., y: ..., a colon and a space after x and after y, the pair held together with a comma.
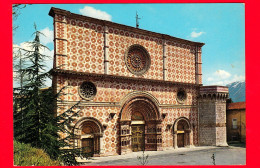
x: 196, y: 65
x: 164, y: 60
x: 60, y: 42
x: 106, y: 61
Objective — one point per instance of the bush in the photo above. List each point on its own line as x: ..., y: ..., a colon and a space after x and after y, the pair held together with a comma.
x: 25, y: 155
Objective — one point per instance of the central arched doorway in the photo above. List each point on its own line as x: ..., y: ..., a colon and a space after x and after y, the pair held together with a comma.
x: 140, y: 126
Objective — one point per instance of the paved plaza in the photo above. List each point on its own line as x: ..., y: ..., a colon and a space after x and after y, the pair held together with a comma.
x: 232, y: 155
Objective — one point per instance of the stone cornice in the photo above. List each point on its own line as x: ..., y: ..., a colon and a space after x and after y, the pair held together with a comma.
x: 70, y: 15
x: 69, y: 73
x: 176, y: 106
x: 117, y: 104
x: 213, y: 89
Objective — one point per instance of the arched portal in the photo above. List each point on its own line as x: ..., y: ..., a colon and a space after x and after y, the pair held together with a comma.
x: 140, y: 125
x: 182, y: 133
x: 88, y: 132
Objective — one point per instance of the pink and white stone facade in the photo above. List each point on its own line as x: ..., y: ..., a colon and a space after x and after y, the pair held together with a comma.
x: 92, y: 50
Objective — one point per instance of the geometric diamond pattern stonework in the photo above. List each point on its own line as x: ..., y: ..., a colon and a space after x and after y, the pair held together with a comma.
x: 128, y: 68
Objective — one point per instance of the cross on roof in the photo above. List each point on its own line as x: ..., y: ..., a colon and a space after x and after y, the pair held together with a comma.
x: 137, y: 22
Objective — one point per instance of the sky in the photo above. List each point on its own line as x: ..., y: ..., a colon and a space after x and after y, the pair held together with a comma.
x: 221, y: 26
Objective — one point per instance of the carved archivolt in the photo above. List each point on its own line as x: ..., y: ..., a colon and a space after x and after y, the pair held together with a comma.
x: 88, y: 125
x: 140, y: 108
x: 136, y: 94
x: 141, y: 105
x: 182, y: 126
x: 183, y: 120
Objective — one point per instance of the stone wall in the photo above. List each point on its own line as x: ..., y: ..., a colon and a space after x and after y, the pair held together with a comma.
x: 207, y: 123
x: 90, y: 45
x: 92, y: 50
x: 212, y: 115
x: 110, y: 94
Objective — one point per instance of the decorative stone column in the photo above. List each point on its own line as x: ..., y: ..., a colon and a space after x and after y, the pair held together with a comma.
x: 159, y: 135
x: 212, y: 115
x: 125, y: 137
x: 102, y: 149
x: 175, y: 140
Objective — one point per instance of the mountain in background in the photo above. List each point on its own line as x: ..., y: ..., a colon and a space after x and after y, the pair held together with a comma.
x: 237, y: 91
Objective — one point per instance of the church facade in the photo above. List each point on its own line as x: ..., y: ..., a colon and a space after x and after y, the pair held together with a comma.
x: 138, y: 90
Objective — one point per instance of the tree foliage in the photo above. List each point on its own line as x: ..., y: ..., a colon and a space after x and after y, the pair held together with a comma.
x: 19, y: 64
x: 65, y: 125
x: 16, y: 8
x: 35, y: 119
x: 29, y: 97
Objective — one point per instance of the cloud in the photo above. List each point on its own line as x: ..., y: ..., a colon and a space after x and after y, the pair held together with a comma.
x: 48, y: 36
x: 221, y: 74
x: 23, y: 45
x: 236, y: 78
x: 48, y: 62
x: 210, y: 79
x: 195, y: 34
x: 27, y: 46
x: 95, y: 13
x: 222, y: 77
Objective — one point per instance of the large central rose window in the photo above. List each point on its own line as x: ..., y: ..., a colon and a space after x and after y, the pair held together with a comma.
x: 137, y: 59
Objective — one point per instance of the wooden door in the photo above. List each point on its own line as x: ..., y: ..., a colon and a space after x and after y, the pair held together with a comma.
x: 180, y: 133
x: 88, y: 146
x: 137, y: 138
x: 180, y: 140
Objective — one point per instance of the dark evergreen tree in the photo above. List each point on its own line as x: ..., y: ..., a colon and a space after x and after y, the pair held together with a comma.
x: 68, y: 152
x: 49, y: 129
x: 19, y: 79
x: 61, y: 144
x: 35, y: 120
x: 19, y: 65
x: 29, y: 98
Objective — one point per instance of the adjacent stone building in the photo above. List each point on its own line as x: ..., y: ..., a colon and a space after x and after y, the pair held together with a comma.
x: 236, y: 121
x: 139, y: 90
x: 212, y: 115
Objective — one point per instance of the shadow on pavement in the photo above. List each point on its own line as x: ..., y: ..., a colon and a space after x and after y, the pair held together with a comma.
x: 237, y: 144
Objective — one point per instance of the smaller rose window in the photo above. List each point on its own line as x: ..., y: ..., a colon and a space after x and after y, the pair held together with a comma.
x: 181, y: 96
x: 87, y: 90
